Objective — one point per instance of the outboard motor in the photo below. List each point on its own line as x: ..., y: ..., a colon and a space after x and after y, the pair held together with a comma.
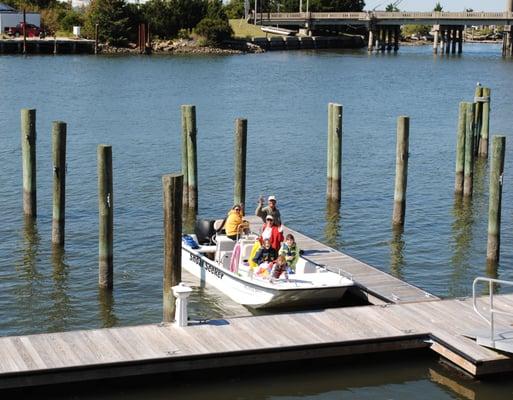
x: 204, y: 231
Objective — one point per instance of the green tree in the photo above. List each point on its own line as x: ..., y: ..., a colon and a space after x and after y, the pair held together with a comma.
x: 112, y: 16
x: 438, y: 7
x: 391, y: 8
x: 235, y: 9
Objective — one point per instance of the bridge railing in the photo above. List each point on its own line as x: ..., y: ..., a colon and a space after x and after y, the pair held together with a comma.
x: 435, y: 15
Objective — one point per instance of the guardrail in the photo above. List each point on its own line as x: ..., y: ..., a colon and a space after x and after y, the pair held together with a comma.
x: 492, y: 310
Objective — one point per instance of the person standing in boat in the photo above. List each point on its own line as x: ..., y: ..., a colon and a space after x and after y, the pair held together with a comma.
x: 272, y: 232
x: 270, y: 209
x: 290, y: 250
x: 235, y: 224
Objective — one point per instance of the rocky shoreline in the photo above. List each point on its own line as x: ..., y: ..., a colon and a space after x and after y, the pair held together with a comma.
x: 184, y: 46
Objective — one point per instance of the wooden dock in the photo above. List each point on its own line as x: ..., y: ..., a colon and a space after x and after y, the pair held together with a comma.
x: 378, y: 286
x: 405, y: 318
x: 54, y: 358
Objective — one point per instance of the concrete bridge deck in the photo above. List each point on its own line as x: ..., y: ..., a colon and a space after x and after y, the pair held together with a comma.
x: 376, y: 18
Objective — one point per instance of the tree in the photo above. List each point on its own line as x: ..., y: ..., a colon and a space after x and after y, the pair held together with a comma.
x: 391, y: 8
x: 113, y: 19
x: 438, y: 7
x: 235, y: 9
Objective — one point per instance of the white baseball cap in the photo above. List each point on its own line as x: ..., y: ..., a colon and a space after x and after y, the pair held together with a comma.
x: 271, y: 198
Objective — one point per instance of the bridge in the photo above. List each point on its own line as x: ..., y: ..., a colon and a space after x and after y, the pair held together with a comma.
x: 384, y: 27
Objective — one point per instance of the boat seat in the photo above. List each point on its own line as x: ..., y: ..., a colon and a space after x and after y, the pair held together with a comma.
x: 246, y: 248
x: 223, y: 245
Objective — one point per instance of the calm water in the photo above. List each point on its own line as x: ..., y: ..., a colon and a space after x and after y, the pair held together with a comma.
x: 133, y: 103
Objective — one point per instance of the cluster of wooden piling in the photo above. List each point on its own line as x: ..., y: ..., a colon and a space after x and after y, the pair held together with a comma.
x: 105, y: 192
x: 449, y: 39
x: 144, y: 38
x: 472, y: 142
x: 472, y: 139
x: 384, y: 38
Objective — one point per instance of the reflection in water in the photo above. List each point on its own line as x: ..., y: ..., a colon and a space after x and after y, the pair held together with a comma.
x: 332, y: 227
x: 397, y: 252
x: 106, y: 302
x: 26, y: 267
x: 462, y: 242
x: 60, y: 311
x: 455, y: 386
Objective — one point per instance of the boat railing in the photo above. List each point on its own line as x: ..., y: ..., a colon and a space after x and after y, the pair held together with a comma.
x: 490, y: 318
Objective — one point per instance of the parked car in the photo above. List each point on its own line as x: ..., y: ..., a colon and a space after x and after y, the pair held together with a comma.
x: 31, y: 30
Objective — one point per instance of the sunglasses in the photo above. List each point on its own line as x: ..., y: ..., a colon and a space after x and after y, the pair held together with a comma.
x: 237, y: 209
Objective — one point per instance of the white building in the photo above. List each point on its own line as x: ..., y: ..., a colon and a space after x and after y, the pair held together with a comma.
x: 9, y: 17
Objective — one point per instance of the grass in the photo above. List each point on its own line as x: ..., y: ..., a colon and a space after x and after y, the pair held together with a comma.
x: 242, y: 29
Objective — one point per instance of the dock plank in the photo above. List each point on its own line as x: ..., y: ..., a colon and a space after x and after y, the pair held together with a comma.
x: 253, y: 340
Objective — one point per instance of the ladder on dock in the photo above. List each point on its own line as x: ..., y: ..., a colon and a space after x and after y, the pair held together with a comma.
x: 499, y: 336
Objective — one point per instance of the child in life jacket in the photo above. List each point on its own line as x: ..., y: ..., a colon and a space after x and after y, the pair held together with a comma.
x: 279, y: 267
x: 265, y: 257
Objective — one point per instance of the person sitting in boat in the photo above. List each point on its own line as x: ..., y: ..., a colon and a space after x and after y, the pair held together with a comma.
x: 272, y: 232
x: 290, y: 250
x: 270, y: 209
x: 235, y: 224
x: 279, y: 267
x: 265, y: 257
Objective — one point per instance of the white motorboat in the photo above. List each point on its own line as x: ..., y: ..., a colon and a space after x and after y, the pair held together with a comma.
x: 229, y: 271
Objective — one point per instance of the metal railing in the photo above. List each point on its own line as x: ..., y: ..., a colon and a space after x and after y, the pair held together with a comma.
x: 491, y: 285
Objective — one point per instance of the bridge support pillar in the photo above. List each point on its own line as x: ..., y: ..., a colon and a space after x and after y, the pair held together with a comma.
x: 397, y: 36
x: 389, y: 38
x: 370, y: 45
x: 460, y: 39
x: 507, y: 42
x: 448, y: 39
x: 436, y: 29
x: 454, y: 40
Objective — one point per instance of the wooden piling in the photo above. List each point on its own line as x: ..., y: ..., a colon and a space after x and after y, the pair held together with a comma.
x: 172, y: 190
x: 28, y: 151
x: 401, y: 169
x: 460, y: 149
x: 485, y: 123
x: 96, y: 38
x: 106, y: 216
x: 469, y: 151
x: 336, y: 167
x: 239, y: 168
x: 192, y: 161
x: 24, y: 31
x: 329, y: 156
x: 477, y: 116
x: 59, y: 181
x: 495, y: 198
x: 185, y: 162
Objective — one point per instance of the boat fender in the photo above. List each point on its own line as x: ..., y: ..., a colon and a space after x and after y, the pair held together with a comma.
x: 189, y: 241
x: 252, y: 255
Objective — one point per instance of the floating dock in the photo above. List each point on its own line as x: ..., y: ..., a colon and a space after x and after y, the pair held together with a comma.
x: 406, y: 319
x: 47, y: 46
x: 54, y: 358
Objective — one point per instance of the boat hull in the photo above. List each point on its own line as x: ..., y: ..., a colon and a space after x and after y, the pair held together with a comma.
x: 252, y: 294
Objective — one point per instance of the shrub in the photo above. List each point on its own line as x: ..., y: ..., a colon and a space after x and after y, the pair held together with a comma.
x: 215, y: 31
